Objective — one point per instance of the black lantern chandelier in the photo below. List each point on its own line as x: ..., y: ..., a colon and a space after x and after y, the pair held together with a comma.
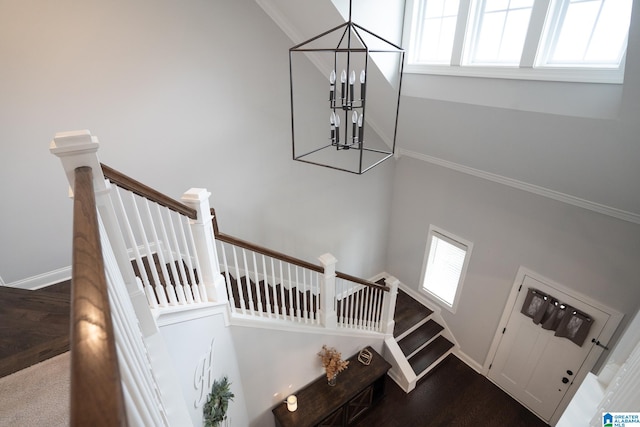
x: 364, y: 80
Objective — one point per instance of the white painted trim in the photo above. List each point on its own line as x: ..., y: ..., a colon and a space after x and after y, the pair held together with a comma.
x: 183, y: 313
x: 546, y: 73
x: 468, y: 360
x: 239, y: 320
x: 43, y: 280
x: 401, y: 371
x: 468, y: 247
x: 540, y: 191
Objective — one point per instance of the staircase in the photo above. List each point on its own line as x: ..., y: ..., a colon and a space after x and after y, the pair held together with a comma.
x: 419, y: 343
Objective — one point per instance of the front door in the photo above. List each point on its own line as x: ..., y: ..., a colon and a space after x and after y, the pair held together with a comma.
x: 532, y: 364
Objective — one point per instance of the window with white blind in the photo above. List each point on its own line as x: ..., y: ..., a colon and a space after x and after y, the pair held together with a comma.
x: 566, y: 40
x: 445, y: 264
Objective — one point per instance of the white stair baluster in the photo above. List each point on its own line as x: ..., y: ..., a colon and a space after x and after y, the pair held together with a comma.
x: 305, y: 289
x: 265, y: 286
x: 290, y: 285
x: 172, y: 272
x: 256, y: 276
x: 283, y: 304
x: 243, y: 306
x: 199, y: 290
x: 168, y: 286
x: 177, y: 263
x: 274, y: 281
x: 247, y: 277
x: 232, y: 303
x: 343, y: 297
x: 160, y: 292
x: 148, y: 289
x: 300, y: 312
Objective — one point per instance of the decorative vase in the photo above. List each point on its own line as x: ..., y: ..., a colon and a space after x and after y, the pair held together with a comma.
x: 332, y: 381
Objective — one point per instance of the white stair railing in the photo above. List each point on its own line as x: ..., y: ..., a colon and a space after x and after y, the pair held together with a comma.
x: 170, y: 244
x: 265, y: 284
x: 123, y: 308
x: 262, y: 285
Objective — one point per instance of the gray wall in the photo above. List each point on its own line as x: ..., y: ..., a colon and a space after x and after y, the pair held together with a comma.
x: 588, y: 252
x: 573, y: 138
x: 180, y: 94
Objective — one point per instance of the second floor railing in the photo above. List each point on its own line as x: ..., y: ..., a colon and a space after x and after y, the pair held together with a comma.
x: 263, y: 283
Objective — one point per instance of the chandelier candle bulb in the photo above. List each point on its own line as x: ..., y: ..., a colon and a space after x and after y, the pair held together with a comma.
x: 332, y: 122
x: 332, y: 85
x: 292, y: 403
x: 360, y: 120
x: 362, y: 80
x: 343, y: 82
x: 354, y: 119
x: 337, y: 123
x: 352, y: 80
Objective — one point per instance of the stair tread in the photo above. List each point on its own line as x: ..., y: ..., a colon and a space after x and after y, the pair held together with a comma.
x: 408, y: 312
x: 428, y: 355
x: 415, y: 339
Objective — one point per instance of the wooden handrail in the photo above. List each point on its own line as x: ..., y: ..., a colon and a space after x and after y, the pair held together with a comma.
x: 96, y: 390
x: 274, y: 254
x: 128, y: 183
x: 278, y: 255
x: 362, y: 281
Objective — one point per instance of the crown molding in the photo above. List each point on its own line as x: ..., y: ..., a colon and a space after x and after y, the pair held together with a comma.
x: 281, y: 21
x: 540, y: 191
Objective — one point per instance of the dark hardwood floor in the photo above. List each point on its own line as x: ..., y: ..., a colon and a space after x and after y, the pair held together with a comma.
x: 452, y: 395
x: 34, y: 325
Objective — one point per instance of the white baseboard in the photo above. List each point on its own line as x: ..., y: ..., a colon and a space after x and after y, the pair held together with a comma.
x: 42, y: 280
x: 469, y: 361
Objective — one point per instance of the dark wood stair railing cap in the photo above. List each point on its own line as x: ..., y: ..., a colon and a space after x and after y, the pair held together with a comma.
x: 128, y: 183
x: 96, y: 389
x: 279, y: 255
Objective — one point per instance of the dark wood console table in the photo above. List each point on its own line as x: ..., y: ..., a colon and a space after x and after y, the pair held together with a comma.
x: 358, y: 388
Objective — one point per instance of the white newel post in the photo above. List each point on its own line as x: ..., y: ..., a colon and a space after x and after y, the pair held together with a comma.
x: 389, y: 305
x: 79, y: 148
x: 328, y: 315
x: 202, y: 229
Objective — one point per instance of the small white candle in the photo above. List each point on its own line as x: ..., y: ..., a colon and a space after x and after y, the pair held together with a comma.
x: 292, y: 403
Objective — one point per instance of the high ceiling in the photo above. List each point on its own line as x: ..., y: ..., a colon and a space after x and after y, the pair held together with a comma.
x: 574, y: 142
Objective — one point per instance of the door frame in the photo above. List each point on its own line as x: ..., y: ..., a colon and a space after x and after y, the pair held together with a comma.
x: 594, y: 354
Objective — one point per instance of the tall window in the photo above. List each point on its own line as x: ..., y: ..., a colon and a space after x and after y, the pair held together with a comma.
x: 446, y: 261
x: 500, y: 32
x: 573, y: 40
